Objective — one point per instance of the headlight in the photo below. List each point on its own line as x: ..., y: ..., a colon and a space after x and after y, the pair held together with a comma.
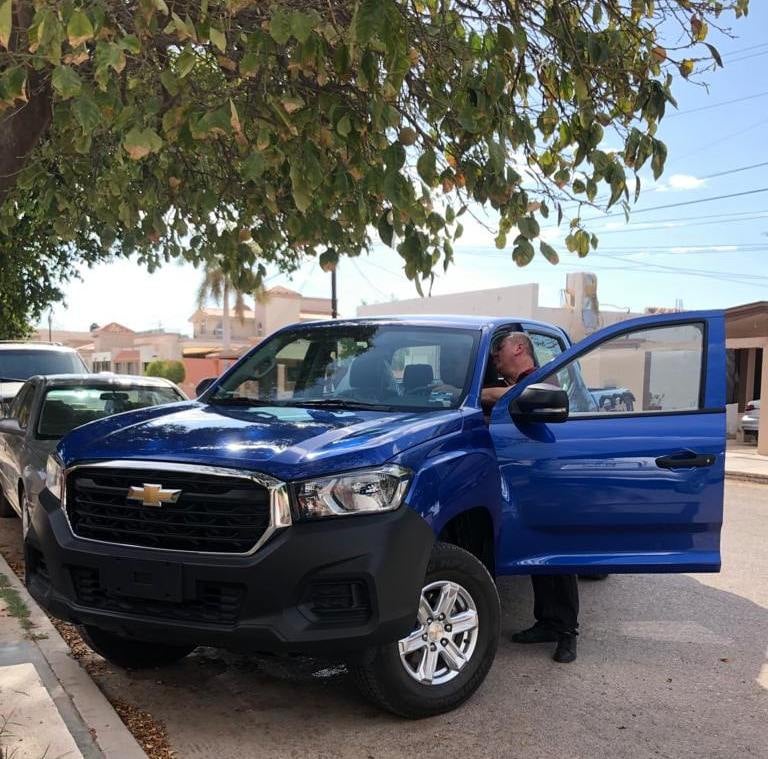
x: 54, y: 476
x: 365, y: 491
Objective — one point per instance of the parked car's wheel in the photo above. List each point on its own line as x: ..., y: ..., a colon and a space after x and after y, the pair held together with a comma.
x: 447, y: 656
x: 6, y: 510
x: 24, y: 505
x: 130, y: 653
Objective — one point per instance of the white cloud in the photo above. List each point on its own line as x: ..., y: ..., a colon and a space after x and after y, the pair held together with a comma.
x: 680, y: 183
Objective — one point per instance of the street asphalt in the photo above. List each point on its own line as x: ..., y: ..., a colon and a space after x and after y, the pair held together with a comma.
x: 669, y: 666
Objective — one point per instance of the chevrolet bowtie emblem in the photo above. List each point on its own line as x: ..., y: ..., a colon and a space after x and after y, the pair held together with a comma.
x: 153, y: 495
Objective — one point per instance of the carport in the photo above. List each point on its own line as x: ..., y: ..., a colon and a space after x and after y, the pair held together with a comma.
x: 746, y: 331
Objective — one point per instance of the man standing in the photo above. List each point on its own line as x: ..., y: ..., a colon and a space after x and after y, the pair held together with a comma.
x: 556, y: 597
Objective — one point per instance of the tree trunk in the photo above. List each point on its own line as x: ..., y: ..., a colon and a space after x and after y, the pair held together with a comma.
x: 226, y: 327
x: 23, y: 125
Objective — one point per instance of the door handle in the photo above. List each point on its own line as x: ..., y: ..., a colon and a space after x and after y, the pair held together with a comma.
x: 686, y: 460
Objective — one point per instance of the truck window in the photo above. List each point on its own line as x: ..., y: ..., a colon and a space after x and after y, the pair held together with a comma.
x: 388, y: 365
x: 646, y: 371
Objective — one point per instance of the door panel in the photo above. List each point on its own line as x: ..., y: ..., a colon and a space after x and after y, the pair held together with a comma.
x: 589, y: 492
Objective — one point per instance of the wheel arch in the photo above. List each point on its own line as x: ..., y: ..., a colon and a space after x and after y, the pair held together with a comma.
x: 473, y: 530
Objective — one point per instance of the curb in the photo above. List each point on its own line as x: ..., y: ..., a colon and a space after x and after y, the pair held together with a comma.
x: 110, y: 734
x: 747, y: 477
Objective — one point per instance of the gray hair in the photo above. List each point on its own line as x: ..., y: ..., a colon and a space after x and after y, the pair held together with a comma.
x: 514, y: 337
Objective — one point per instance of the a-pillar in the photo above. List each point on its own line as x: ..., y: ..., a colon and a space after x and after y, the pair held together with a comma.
x: 762, y: 435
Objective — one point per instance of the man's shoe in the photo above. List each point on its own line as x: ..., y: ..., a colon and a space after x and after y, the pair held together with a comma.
x: 535, y: 634
x: 565, y: 652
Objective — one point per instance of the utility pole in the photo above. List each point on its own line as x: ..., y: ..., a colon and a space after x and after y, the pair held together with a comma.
x: 50, y: 320
x: 334, y: 299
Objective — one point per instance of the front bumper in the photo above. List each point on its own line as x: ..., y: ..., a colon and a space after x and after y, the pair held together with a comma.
x: 750, y: 423
x: 327, y: 588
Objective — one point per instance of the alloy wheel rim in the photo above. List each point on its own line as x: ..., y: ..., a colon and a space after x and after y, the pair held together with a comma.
x: 444, y: 639
x: 24, y: 516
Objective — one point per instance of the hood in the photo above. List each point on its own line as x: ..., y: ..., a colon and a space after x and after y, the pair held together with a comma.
x: 287, y: 442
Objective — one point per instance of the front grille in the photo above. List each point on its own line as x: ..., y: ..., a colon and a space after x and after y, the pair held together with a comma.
x: 339, y: 601
x: 214, y: 603
x: 214, y: 513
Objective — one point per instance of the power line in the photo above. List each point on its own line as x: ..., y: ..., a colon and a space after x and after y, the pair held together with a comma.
x: 735, y: 171
x: 725, y: 137
x: 746, y: 57
x: 755, y: 191
x: 716, y: 105
x: 746, y: 49
x: 680, y: 225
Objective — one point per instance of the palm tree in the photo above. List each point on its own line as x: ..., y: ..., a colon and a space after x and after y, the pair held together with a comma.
x: 217, y: 284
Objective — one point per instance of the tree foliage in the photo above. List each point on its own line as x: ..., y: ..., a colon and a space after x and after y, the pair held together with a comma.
x: 248, y: 133
x: 171, y: 370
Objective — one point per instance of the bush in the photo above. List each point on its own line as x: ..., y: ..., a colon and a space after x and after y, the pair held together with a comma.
x: 172, y: 370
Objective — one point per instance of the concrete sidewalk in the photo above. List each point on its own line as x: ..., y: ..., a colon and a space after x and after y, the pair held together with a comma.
x: 49, y: 706
x: 743, y: 462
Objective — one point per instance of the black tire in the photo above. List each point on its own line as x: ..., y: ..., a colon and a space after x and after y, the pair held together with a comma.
x: 385, y: 681
x: 132, y: 654
x: 6, y: 510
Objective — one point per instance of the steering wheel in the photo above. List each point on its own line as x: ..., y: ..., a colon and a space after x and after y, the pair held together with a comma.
x: 421, y: 389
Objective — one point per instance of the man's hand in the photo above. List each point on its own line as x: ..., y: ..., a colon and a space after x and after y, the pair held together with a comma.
x: 490, y: 395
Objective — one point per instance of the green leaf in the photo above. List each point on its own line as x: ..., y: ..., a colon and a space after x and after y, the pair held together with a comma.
x: 13, y: 84
x: 185, y: 62
x: 659, y: 158
x: 529, y: 227
x: 218, y: 38
x: 302, y: 24
x: 6, y: 20
x: 344, y: 127
x: 523, y: 252
x: 79, y: 28
x: 66, y: 81
x: 170, y: 82
x: 427, y: 167
x: 506, y: 37
x: 371, y: 18
x: 386, y: 230
x: 130, y: 43
x: 86, y: 112
x: 549, y: 252
x: 280, y: 25
x: 139, y: 143
x: 715, y: 54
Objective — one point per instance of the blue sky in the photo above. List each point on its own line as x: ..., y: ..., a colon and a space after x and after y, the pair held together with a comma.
x: 707, y: 254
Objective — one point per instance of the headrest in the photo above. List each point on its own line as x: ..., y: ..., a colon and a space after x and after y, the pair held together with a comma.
x: 417, y: 375
x: 370, y: 372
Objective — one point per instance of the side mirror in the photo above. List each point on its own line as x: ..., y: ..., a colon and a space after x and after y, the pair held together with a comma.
x: 540, y: 403
x: 203, y: 385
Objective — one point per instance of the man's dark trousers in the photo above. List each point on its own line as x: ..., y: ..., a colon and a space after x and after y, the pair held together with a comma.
x: 556, y: 602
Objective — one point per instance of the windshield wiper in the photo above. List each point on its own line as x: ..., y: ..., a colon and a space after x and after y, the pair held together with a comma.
x: 242, y: 402
x: 11, y: 379
x: 340, y: 403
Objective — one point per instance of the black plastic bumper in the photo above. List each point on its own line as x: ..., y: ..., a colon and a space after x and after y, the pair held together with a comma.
x: 333, y: 588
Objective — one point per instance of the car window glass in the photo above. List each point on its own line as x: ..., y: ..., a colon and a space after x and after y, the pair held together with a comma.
x: 546, y: 347
x: 645, y: 371
x: 68, y: 407
x: 387, y: 365
x: 23, y: 363
x: 22, y: 405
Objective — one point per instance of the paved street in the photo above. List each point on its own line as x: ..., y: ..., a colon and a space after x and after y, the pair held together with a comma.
x: 669, y: 666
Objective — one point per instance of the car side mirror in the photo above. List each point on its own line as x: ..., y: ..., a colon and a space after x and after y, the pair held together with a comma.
x: 203, y: 385
x: 540, y: 403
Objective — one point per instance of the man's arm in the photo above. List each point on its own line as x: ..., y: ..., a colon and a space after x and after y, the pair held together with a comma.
x: 490, y: 395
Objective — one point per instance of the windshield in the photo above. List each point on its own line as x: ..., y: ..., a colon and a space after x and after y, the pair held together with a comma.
x: 25, y: 363
x: 68, y: 407
x: 356, y: 366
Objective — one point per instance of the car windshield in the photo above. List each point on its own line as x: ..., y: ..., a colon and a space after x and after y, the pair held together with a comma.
x: 21, y: 364
x: 65, y: 408
x: 355, y: 366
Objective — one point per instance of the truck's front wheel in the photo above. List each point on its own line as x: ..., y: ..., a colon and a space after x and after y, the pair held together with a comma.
x: 447, y: 656
x: 130, y: 653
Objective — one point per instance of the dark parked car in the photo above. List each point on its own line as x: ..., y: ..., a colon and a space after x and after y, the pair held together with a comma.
x: 46, y: 408
x: 20, y: 361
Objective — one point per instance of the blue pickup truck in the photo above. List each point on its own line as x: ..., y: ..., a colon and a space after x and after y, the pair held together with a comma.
x: 341, y: 492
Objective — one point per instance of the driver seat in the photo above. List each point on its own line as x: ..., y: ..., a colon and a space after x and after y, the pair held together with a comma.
x: 417, y: 377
